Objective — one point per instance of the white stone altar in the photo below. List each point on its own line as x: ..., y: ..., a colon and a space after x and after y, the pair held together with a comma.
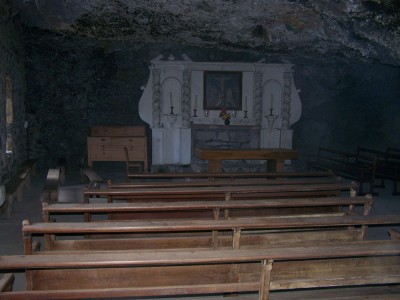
x: 175, y: 88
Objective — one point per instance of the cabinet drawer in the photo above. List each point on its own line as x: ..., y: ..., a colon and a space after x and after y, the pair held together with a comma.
x: 125, y: 142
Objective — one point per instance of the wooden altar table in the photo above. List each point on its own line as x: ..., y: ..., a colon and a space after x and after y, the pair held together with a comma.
x: 275, y: 156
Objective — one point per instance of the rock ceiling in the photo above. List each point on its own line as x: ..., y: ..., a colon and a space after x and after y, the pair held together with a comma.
x: 357, y: 29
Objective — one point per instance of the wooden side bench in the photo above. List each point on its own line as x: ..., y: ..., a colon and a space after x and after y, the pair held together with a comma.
x: 389, y: 168
x: 354, y: 166
x: 209, y: 209
x: 13, y: 188
x: 28, y: 168
x: 274, y: 273
x: 51, y: 186
x: 93, y: 178
x: 387, y: 164
x: 15, y: 185
x: 6, y: 282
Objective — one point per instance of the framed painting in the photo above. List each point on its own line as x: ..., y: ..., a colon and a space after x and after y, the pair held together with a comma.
x: 222, y: 90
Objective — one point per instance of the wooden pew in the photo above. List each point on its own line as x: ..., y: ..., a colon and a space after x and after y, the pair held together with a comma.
x: 208, y: 175
x: 223, y: 182
x: 219, y: 192
x: 358, y: 166
x: 50, y: 188
x: 208, y: 209
x: 387, y: 164
x: 389, y: 168
x: 227, y: 193
x: 26, y: 170
x: 274, y: 273
x: 6, y: 282
x: 173, y: 234
x: 93, y: 178
x: 14, y: 186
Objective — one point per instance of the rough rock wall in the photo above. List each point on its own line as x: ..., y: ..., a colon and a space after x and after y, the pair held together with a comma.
x: 12, y: 66
x: 356, y: 28
x: 75, y: 83
x: 347, y: 104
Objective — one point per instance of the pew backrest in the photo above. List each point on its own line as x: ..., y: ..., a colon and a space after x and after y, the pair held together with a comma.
x: 235, y: 228
x: 161, y: 273
x: 221, y: 192
x: 211, y: 209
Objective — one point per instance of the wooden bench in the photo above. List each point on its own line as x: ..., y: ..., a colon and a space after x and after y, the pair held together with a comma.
x: 220, y: 192
x: 172, y: 234
x: 283, y: 272
x: 13, y: 188
x: 223, y: 182
x: 208, y: 209
x: 388, y: 167
x: 51, y: 186
x: 28, y: 168
x: 358, y: 166
x: 6, y: 282
x: 15, y: 185
x: 208, y: 175
x: 93, y: 178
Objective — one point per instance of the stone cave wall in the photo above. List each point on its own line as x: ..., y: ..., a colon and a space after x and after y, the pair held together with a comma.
x: 75, y: 83
x: 12, y: 65
x: 346, y: 105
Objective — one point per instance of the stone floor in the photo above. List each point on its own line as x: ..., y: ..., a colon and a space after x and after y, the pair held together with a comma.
x: 71, y: 191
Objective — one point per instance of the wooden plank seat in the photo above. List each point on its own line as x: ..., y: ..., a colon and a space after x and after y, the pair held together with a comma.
x: 13, y: 190
x: 207, y: 209
x: 51, y: 186
x: 208, y: 175
x: 220, y: 192
x: 93, y: 178
x: 172, y: 234
x: 6, y: 282
x: 388, y: 167
x: 29, y: 168
x: 14, y: 186
x: 222, y: 182
x: 264, y: 272
x: 358, y: 166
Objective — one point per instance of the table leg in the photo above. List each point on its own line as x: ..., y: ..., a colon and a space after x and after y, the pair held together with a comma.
x: 275, y: 165
x: 214, y: 166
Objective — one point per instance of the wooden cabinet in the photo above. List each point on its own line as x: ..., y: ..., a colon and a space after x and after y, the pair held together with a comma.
x: 106, y: 143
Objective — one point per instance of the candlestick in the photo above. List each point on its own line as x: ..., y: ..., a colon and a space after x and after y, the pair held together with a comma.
x: 172, y: 110
x: 245, y: 103
x: 195, y: 102
x: 272, y: 102
x: 194, y: 113
x: 170, y: 100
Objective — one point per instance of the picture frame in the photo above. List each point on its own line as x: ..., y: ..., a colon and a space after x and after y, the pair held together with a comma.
x: 222, y: 90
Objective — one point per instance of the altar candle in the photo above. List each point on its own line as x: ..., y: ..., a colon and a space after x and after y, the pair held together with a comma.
x: 195, y: 102
x: 272, y: 101
x: 245, y: 103
x: 170, y: 100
